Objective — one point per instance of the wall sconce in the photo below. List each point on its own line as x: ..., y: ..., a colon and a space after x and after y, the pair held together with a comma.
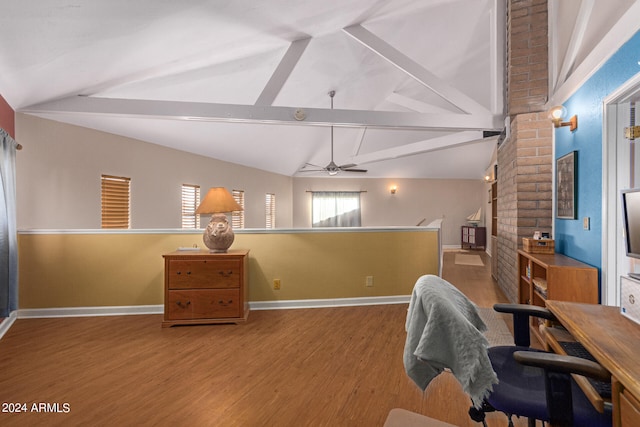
x: 393, y: 189
x: 557, y: 114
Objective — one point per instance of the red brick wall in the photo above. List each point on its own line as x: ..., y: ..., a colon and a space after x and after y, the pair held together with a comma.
x: 527, y: 56
x: 7, y: 118
x: 525, y: 157
x: 534, y: 172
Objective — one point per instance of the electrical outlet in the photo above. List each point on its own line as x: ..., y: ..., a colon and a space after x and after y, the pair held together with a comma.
x: 369, y: 282
x: 276, y: 284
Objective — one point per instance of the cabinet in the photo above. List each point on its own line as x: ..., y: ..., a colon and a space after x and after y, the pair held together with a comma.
x: 473, y: 237
x: 494, y: 209
x: 614, y: 341
x: 554, y: 277
x: 494, y: 230
x: 203, y: 287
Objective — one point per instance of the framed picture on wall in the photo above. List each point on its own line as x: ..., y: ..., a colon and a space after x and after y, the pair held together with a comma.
x: 566, y: 186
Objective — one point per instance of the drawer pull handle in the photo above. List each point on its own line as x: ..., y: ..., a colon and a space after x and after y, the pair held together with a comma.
x: 221, y: 302
x: 225, y: 273
x: 185, y: 305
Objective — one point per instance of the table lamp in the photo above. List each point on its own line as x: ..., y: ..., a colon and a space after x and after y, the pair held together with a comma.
x: 218, y: 235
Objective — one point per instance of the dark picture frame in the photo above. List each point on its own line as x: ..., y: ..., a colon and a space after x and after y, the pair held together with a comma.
x: 566, y: 167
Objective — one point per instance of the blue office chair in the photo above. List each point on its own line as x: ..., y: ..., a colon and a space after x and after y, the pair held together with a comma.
x: 538, y: 385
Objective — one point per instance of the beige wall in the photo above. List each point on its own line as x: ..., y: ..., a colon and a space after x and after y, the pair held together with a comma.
x: 58, y: 179
x: 416, y: 199
x: 58, y: 185
x: 77, y: 269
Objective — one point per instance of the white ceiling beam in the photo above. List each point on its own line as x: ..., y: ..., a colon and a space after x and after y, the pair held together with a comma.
x: 359, y: 141
x: 420, y: 147
x: 619, y: 34
x: 552, y: 12
x: 497, y: 63
x: 197, y: 111
x: 415, y: 105
x: 575, y: 42
x: 415, y: 70
x: 283, y: 71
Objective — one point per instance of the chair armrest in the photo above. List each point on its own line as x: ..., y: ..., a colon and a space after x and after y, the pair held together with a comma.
x: 528, y: 309
x: 564, y: 364
x: 521, y: 314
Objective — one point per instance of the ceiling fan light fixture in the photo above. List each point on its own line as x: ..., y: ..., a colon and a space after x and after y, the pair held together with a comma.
x: 332, y: 169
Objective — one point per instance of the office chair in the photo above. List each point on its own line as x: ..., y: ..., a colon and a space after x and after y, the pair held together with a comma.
x: 537, y: 385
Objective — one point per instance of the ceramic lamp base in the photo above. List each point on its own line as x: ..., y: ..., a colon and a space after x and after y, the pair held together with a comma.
x: 218, y: 236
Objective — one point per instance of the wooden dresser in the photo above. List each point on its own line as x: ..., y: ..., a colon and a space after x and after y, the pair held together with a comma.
x: 201, y: 287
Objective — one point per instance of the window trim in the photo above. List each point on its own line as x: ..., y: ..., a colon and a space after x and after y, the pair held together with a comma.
x: 270, y: 210
x: 115, y: 202
x: 237, y: 217
x: 190, y: 202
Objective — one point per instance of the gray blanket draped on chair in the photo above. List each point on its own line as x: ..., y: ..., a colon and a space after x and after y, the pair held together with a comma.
x: 444, y: 330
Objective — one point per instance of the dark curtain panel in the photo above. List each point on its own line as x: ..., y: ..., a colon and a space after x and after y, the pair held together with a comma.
x: 8, y: 232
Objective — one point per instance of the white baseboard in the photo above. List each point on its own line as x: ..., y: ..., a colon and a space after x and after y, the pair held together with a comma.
x: 32, y: 313
x: 7, y: 322
x: 333, y: 302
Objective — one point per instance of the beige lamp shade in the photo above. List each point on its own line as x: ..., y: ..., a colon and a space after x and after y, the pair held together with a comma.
x: 218, y: 200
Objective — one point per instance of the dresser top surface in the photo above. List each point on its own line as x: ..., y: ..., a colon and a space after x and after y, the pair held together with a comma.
x: 234, y: 253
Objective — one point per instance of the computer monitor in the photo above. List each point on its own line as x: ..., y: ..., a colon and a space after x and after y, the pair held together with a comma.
x: 631, y: 221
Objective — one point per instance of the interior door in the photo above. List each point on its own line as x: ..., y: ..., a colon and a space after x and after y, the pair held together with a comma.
x: 621, y: 170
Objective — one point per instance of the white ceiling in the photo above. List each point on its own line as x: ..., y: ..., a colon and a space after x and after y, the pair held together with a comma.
x: 416, y: 81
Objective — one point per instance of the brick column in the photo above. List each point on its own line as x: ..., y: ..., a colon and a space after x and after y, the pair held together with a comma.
x: 527, y: 56
x: 525, y: 157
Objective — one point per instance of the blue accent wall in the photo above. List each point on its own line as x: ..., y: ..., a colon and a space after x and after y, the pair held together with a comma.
x: 571, y: 239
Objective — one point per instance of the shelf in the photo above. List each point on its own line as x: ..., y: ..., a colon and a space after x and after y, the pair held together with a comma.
x: 554, y: 277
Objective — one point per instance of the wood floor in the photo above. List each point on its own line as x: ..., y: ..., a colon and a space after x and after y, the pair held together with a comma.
x: 313, y: 367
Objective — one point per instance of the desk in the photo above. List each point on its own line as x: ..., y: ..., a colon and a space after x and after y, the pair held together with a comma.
x: 614, y: 341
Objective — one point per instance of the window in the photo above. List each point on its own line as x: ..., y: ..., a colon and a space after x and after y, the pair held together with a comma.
x: 335, y: 209
x: 237, y: 217
x: 270, y: 205
x: 115, y: 201
x: 190, y: 201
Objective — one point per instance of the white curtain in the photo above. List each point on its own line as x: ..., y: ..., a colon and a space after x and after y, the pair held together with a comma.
x: 8, y: 231
x: 336, y: 209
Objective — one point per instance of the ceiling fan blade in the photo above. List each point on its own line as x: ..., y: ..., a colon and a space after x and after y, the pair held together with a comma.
x: 311, y: 170
x: 353, y: 170
x: 308, y: 165
x: 347, y: 166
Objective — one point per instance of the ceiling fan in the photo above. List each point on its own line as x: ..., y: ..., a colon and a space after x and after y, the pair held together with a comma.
x: 332, y: 168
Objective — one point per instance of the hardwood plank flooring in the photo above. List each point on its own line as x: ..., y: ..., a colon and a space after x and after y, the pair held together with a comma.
x: 312, y: 367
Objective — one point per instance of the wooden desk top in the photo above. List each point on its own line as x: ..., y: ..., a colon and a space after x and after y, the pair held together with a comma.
x: 611, y: 338
x: 554, y: 260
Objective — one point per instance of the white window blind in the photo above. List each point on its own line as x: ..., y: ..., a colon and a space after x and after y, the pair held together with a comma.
x: 270, y: 207
x: 190, y: 201
x: 335, y: 209
x: 237, y: 217
x: 115, y: 201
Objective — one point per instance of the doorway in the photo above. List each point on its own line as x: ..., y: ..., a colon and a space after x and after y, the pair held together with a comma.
x: 621, y: 170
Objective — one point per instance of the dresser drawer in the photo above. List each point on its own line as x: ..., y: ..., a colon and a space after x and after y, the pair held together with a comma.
x: 202, y: 304
x: 204, y: 273
x: 629, y: 410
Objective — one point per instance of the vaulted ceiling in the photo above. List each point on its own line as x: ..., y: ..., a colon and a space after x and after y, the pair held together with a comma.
x: 246, y: 81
